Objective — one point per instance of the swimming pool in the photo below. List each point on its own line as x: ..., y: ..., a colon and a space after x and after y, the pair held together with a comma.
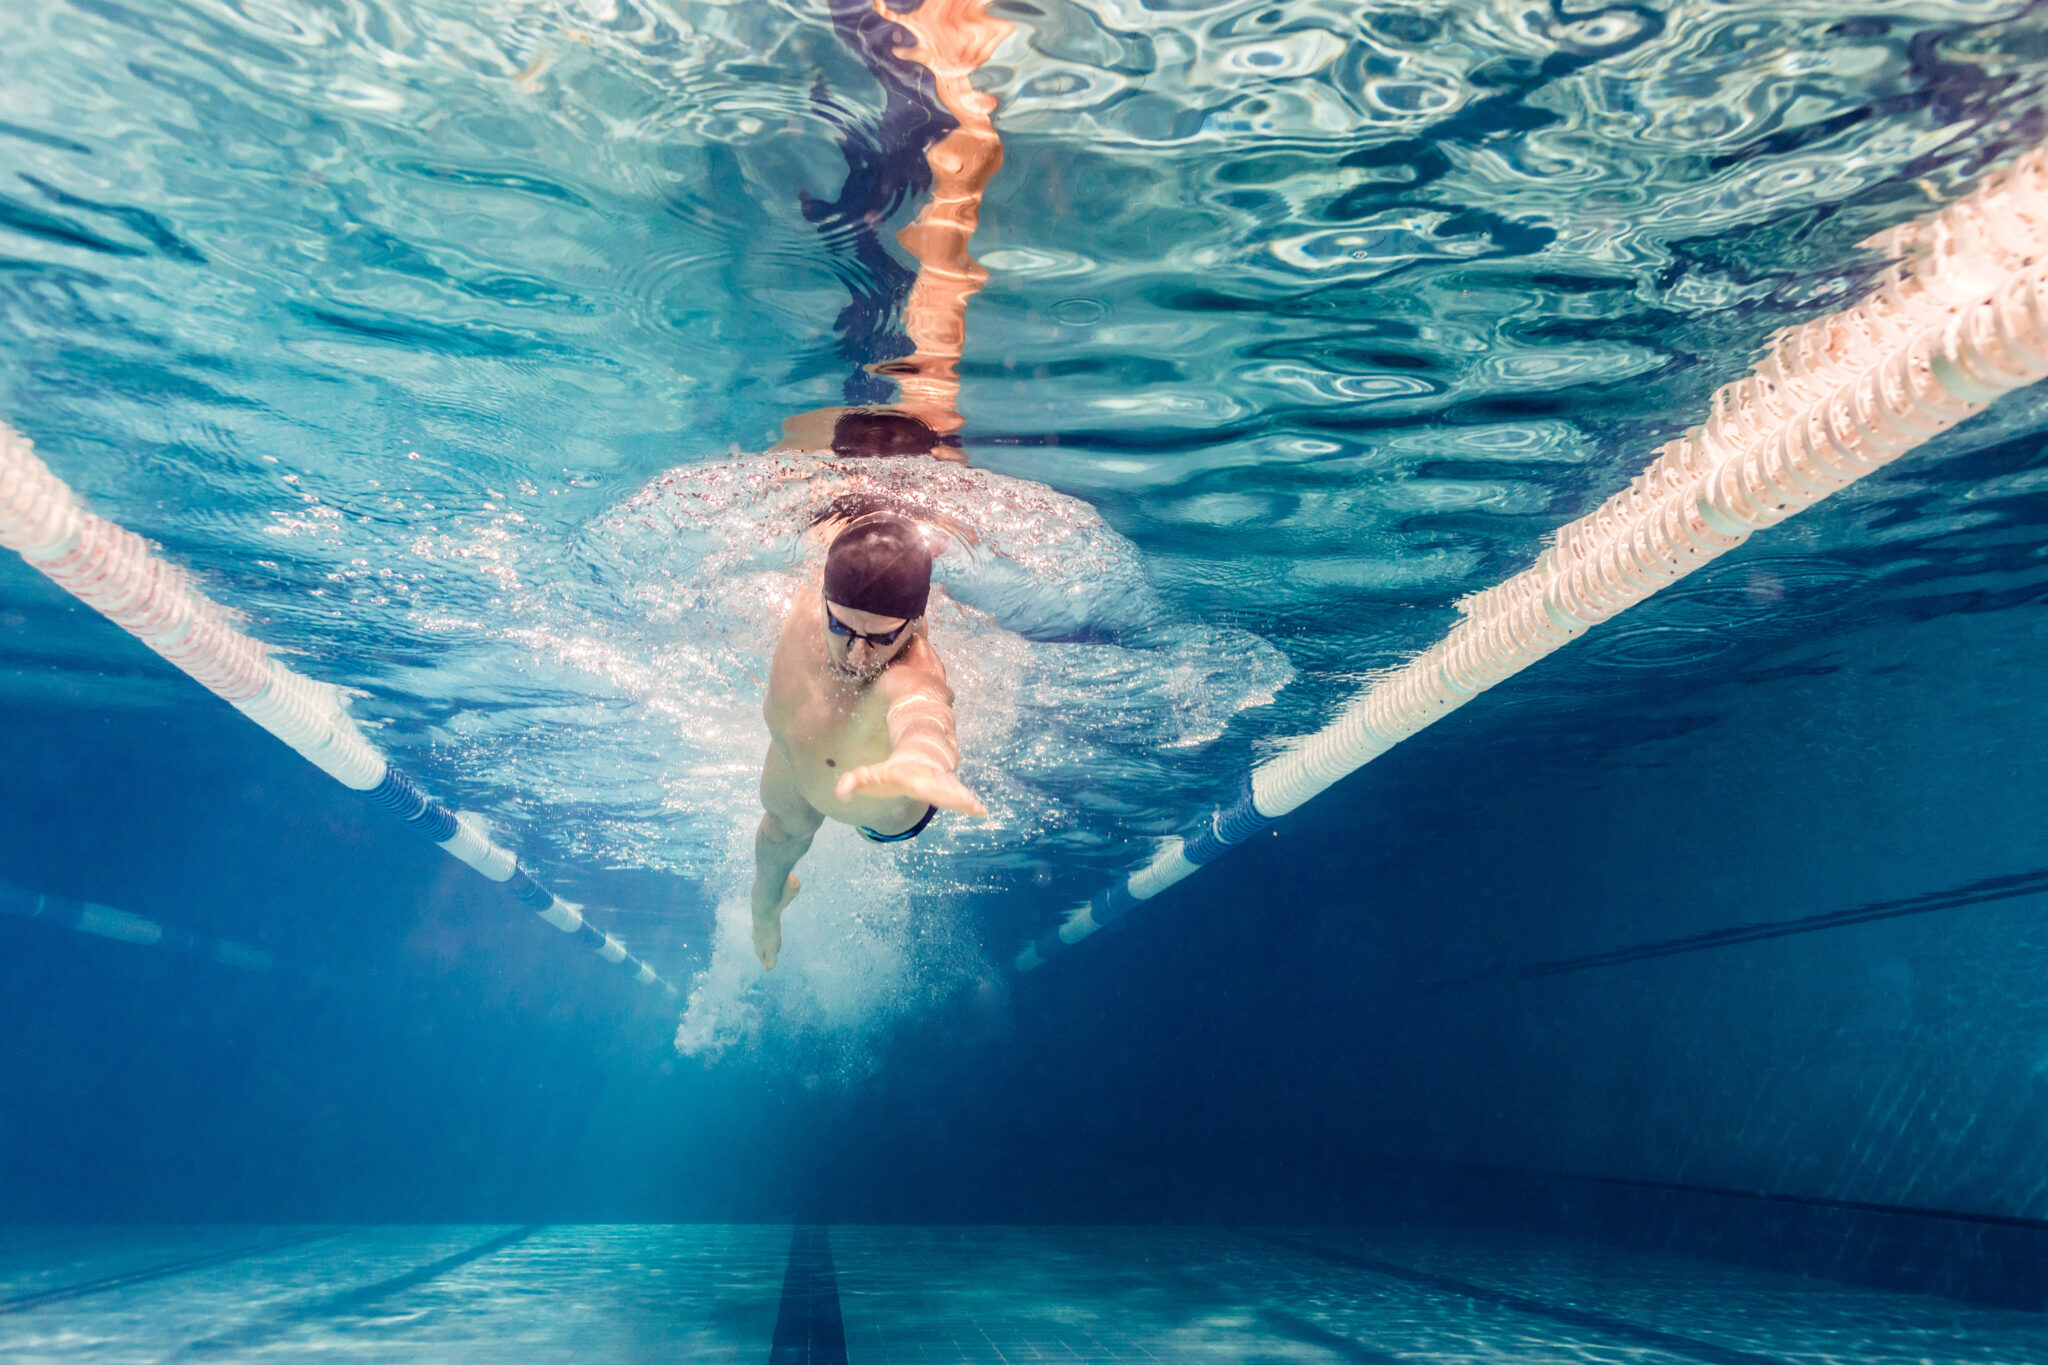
x: 445, y: 346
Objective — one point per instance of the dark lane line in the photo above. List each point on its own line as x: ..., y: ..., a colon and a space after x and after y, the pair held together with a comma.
x: 1210, y: 1286
x: 1618, y: 1328
x: 1984, y: 892
x: 354, y: 1300
x: 1809, y: 1201
x: 23, y: 1302
x: 1298, y: 1328
x: 808, y: 1326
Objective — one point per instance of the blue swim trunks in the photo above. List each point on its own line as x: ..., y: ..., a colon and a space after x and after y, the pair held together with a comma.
x: 911, y: 833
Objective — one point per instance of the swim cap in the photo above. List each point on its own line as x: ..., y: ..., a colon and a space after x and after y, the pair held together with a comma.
x: 880, y: 564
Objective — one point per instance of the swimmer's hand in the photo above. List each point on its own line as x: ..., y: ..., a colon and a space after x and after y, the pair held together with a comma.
x: 902, y: 775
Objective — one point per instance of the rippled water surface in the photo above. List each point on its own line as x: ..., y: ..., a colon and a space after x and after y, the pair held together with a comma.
x: 443, y: 340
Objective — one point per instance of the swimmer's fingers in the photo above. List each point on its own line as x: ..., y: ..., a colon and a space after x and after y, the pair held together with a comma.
x: 874, y: 779
x: 894, y: 777
x: 890, y: 777
x: 947, y: 792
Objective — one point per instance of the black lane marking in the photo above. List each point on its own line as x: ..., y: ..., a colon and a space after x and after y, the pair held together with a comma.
x: 23, y: 1302
x: 1301, y: 1329
x: 2001, y: 1220
x: 1975, y: 893
x: 355, y: 1300
x: 1617, y: 1328
x: 1214, y: 1287
x: 808, y: 1328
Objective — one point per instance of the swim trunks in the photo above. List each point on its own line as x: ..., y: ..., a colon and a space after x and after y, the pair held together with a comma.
x: 911, y: 833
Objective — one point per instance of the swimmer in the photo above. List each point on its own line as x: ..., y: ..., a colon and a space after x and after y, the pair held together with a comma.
x: 860, y: 719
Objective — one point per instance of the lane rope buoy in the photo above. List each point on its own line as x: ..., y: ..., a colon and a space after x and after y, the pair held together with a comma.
x: 122, y: 926
x: 1959, y: 320
x: 116, y: 573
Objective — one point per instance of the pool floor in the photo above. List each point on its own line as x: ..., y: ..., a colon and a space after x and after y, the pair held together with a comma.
x: 809, y: 1295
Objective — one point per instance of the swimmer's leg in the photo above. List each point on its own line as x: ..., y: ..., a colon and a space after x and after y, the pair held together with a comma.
x: 788, y: 824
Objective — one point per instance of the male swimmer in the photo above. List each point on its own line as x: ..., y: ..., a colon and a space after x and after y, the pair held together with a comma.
x: 860, y: 719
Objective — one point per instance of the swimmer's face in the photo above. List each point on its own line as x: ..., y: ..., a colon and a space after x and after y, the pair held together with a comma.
x: 854, y: 640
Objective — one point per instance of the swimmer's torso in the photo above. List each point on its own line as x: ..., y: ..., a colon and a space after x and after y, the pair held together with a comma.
x: 826, y: 723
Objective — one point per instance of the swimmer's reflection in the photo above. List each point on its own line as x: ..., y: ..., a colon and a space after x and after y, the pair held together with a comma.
x: 944, y: 42
x: 867, y: 433
x: 860, y: 719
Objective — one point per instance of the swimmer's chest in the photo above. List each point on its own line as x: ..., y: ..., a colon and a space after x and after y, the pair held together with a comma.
x: 832, y: 730
x: 826, y: 740
x: 824, y: 729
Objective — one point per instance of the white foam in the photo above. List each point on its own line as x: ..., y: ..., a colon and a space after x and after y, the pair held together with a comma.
x: 642, y: 652
x: 865, y: 947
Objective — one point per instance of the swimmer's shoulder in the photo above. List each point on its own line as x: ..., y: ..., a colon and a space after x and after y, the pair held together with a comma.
x: 917, y: 672
x: 791, y: 677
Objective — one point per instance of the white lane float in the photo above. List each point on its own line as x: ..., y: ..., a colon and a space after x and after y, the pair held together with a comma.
x: 115, y: 572
x: 1958, y: 321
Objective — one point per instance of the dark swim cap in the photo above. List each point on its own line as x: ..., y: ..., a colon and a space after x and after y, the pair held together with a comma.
x: 880, y: 564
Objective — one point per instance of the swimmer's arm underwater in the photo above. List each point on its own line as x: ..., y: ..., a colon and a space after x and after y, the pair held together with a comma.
x: 923, y: 751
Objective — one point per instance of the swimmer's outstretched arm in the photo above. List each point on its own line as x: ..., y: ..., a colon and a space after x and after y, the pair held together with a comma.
x: 922, y: 754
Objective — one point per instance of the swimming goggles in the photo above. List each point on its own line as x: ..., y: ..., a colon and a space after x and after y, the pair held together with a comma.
x: 880, y: 639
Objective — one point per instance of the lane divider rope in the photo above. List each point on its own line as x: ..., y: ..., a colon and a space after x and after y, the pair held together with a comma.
x: 1959, y: 320
x: 115, y: 572
x: 90, y: 917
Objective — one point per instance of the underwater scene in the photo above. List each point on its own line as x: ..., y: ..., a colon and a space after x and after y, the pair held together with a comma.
x: 1020, y: 680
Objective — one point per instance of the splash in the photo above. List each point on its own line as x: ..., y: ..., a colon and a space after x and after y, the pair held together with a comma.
x: 867, y: 946
x: 649, y: 637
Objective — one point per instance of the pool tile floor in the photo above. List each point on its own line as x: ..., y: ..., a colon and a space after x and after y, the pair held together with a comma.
x: 1002, y: 1295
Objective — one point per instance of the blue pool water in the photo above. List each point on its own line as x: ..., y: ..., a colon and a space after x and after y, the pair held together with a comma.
x: 444, y: 343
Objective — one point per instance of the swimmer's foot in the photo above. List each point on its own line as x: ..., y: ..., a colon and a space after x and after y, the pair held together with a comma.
x: 768, y: 927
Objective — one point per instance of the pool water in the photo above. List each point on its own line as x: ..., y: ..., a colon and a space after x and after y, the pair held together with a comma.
x: 449, y: 346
